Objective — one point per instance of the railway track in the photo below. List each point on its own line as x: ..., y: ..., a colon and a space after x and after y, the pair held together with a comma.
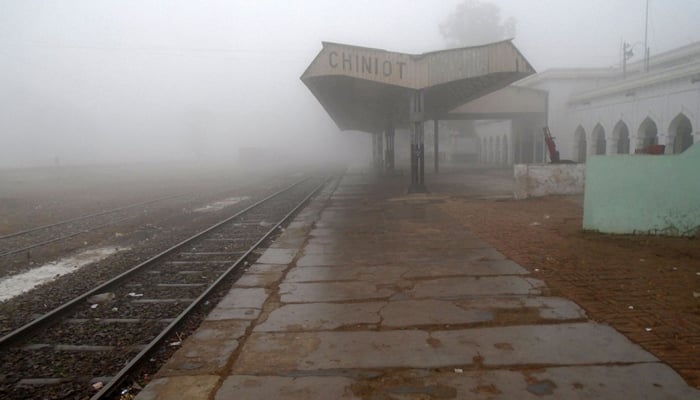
x: 102, y: 336
x: 22, y: 249
x: 28, y: 239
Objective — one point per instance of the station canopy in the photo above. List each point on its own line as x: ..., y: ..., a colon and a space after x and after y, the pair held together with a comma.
x: 366, y: 89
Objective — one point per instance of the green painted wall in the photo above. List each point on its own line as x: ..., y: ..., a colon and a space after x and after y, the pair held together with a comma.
x: 643, y: 194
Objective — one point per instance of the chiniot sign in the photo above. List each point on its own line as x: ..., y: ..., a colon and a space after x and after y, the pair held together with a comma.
x: 367, y: 64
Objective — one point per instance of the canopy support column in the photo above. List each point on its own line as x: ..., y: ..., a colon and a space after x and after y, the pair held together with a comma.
x: 436, y: 145
x: 377, y: 152
x: 417, y: 143
x: 389, y: 152
x: 380, y: 152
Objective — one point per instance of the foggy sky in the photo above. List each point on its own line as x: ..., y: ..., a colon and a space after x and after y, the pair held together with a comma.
x: 125, y: 80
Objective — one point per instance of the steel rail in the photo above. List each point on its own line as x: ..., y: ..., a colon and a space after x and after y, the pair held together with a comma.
x: 128, y: 368
x: 64, y: 237
x: 82, y: 217
x: 23, y: 331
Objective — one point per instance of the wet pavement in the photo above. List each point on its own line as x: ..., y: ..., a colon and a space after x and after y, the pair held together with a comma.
x: 374, y: 294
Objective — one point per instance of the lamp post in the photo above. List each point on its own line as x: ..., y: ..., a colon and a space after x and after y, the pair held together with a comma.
x: 627, y: 53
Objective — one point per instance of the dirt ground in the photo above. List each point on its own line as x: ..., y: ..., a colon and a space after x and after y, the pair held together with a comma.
x: 645, y: 287
x: 31, y: 197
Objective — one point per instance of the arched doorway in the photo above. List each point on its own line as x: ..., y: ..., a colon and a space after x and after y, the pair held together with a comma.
x: 647, y: 134
x: 580, y: 144
x: 622, y: 135
x: 506, y: 156
x: 599, y: 143
x: 682, y: 132
x: 491, y: 153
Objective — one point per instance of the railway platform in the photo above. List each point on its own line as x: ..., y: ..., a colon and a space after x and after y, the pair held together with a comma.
x: 371, y: 293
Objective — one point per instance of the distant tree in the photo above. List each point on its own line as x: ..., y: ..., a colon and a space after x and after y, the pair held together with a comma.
x: 474, y: 22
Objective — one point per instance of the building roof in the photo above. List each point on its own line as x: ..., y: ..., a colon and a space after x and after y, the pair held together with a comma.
x: 661, y: 62
x: 365, y: 89
x: 654, y: 77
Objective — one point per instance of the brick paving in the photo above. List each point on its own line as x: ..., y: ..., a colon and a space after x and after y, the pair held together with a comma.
x: 642, y: 286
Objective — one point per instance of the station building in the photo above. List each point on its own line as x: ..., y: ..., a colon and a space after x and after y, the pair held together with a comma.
x: 606, y: 111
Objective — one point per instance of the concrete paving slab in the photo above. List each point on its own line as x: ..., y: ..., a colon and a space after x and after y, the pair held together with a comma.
x: 320, y: 232
x: 322, y: 241
x: 318, y: 247
x: 321, y: 316
x: 239, y: 303
x: 452, y: 258
x: 562, y: 344
x: 410, y: 256
x: 410, y: 313
x: 302, y: 223
x: 249, y: 280
x: 278, y: 256
x: 295, y: 234
x: 259, y: 268
x: 207, y: 350
x: 244, y: 298
x: 280, y: 353
x: 475, y: 268
x: 475, y: 286
x: 180, y: 387
x: 346, y: 273
x: 639, y: 381
x: 332, y: 291
x: 417, y: 313
x: 289, y: 241
x: 548, y: 308
x: 219, y: 314
x: 312, y: 260
x: 247, y: 387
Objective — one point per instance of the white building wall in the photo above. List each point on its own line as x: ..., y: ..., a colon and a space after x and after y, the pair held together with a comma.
x: 587, y: 98
x: 661, y: 103
x: 560, y: 121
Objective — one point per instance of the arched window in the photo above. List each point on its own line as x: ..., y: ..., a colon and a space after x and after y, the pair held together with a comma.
x: 598, y: 137
x: 621, y: 134
x: 580, y: 144
x: 681, y: 130
x: 647, y: 134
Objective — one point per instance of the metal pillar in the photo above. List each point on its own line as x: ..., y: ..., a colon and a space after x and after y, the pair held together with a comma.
x: 417, y: 143
x: 436, y: 145
x: 389, y: 151
x: 375, y: 158
x: 380, y: 152
x: 534, y: 144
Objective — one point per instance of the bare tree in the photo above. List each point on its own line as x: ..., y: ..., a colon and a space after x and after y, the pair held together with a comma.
x: 474, y: 22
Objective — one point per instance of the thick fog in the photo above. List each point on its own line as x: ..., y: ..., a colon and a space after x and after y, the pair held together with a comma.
x: 86, y: 81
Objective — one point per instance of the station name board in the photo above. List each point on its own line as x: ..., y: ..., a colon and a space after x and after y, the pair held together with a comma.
x: 366, y: 64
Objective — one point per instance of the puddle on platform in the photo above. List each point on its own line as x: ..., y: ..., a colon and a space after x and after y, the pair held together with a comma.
x: 221, y: 204
x: 16, y: 284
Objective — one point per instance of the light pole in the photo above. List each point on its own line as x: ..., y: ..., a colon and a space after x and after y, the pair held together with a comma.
x: 646, y: 43
x: 627, y: 53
